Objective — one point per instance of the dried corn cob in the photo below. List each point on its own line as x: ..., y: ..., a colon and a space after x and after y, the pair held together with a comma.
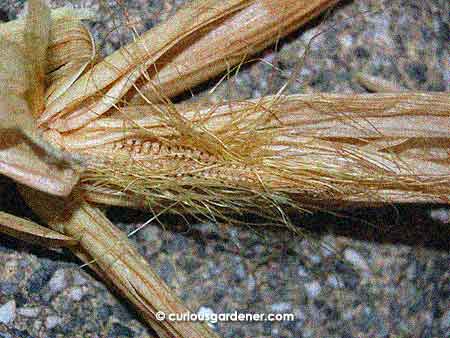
x: 239, y: 157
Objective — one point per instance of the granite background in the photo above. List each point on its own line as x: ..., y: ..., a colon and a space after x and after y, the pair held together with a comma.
x: 346, y: 279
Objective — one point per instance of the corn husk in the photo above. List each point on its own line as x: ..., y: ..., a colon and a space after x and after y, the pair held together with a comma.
x: 221, y: 47
x: 122, y: 73
x: 60, y: 58
x: 121, y: 69
x: 299, y: 151
x: 24, y: 155
x: 70, y: 51
x: 263, y: 156
x: 32, y: 232
x: 36, y: 39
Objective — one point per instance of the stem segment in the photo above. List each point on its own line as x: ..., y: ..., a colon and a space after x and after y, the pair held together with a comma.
x: 109, y: 252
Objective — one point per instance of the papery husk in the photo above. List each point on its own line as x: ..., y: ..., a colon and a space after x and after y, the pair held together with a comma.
x: 13, y: 30
x: 36, y: 41
x: 322, y: 115
x: 239, y: 27
x: 299, y: 151
x: 29, y: 160
x: 220, y: 47
x: 109, y: 80
x: 107, y: 250
x: 262, y: 156
x: 32, y: 232
x: 23, y: 161
x: 24, y: 155
x: 45, y: 50
x: 69, y: 51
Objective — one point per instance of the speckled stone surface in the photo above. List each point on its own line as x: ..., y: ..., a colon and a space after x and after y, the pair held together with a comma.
x: 378, y: 273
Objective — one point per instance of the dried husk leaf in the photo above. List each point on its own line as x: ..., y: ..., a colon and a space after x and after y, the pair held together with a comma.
x: 36, y: 39
x: 238, y: 29
x: 13, y: 30
x: 121, y: 69
x: 32, y: 232
x: 219, y: 47
x: 313, y: 149
x: 28, y: 164
x: 357, y: 116
x: 24, y: 156
x: 70, y: 51
x: 13, y: 77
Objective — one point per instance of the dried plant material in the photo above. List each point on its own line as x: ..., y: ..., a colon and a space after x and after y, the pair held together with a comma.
x: 120, y: 70
x: 29, y: 164
x: 219, y: 47
x: 33, y: 233
x: 24, y: 155
x: 375, y: 84
x: 12, y: 71
x: 263, y: 156
x: 13, y: 30
x: 116, y: 260
x: 121, y: 73
x: 71, y: 52
x: 71, y: 48
x: 36, y: 39
x: 357, y: 116
x: 275, y: 152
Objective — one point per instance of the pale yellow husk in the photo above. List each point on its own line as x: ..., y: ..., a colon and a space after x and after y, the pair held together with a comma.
x: 24, y: 155
x: 305, y: 150
x: 199, y: 41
